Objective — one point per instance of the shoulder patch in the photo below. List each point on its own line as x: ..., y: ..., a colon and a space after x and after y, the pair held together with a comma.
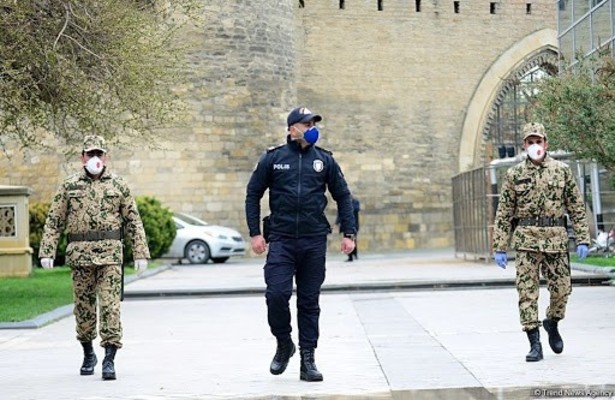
x: 75, y: 176
x: 272, y: 148
x: 325, y: 150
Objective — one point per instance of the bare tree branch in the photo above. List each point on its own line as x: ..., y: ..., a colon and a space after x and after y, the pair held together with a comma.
x: 63, y: 28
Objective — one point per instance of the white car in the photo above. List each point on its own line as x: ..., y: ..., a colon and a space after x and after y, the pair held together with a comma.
x: 197, y: 241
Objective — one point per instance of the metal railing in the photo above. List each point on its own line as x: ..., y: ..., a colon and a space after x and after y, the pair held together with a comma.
x: 476, y: 193
x: 471, y: 211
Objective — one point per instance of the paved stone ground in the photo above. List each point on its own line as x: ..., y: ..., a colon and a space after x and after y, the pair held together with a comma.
x: 393, y: 344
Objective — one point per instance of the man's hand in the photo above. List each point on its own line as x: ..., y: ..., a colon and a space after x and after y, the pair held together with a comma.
x: 140, y: 266
x: 501, y: 259
x: 582, y: 251
x: 347, y: 245
x: 258, y: 244
x: 47, y: 263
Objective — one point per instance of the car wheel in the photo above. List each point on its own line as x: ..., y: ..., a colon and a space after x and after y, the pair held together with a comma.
x: 219, y: 260
x: 197, y: 252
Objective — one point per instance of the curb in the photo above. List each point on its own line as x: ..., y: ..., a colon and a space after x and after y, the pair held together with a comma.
x: 596, y: 270
x: 598, y: 280
x: 603, y: 276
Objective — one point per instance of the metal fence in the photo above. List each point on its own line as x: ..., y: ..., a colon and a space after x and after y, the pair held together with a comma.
x: 471, y: 213
x: 475, y: 200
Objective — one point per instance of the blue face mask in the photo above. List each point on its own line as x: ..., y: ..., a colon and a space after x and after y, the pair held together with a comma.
x: 311, y: 135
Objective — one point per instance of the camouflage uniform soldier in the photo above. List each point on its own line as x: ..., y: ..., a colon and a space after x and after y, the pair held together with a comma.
x: 535, y: 196
x: 92, y: 206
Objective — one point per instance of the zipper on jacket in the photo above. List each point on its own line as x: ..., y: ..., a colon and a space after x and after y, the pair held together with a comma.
x: 298, y: 195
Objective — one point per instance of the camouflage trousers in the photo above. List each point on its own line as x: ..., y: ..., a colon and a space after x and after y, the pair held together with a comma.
x: 555, y: 268
x: 102, y: 283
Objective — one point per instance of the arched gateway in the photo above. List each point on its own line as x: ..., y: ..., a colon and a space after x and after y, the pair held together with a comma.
x: 497, y: 108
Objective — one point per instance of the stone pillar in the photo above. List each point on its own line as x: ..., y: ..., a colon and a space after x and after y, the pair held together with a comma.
x: 15, y: 250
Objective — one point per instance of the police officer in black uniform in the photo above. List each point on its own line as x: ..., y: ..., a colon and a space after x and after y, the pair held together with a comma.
x: 297, y: 174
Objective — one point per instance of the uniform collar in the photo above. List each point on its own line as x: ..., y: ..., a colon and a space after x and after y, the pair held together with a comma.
x: 296, y: 145
x: 85, y: 175
x: 545, y: 162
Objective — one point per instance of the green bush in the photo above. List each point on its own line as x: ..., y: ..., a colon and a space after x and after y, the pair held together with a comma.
x: 158, y: 223
x: 38, y: 215
x: 159, y: 227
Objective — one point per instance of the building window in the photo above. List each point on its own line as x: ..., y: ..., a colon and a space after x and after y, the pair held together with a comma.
x: 417, y: 5
x: 528, y: 8
x: 492, y: 8
x: 342, y: 5
x: 456, y: 7
x: 379, y: 5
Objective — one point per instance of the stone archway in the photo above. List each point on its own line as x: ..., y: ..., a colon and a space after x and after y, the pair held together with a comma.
x: 539, y: 48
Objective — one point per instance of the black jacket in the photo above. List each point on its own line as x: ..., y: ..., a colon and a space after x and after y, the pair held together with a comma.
x: 297, y: 179
x: 356, y: 207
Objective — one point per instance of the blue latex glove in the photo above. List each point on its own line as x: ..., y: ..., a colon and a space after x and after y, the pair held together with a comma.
x: 582, y: 251
x: 501, y: 259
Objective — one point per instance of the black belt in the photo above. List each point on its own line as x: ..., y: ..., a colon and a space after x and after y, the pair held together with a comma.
x: 542, y: 221
x: 94, y: 235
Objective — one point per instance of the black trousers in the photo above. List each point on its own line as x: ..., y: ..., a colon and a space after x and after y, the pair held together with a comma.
x: 304, y: 259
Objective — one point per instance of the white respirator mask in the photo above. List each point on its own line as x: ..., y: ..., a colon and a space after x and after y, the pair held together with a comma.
x: 94, y: 166
x: 536, y: 152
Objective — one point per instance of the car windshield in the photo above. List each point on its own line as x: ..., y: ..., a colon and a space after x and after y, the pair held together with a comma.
x: 190, y: 220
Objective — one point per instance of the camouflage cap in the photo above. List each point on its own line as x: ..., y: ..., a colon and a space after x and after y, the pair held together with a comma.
x: 534, y: 129
x: 93, y: 142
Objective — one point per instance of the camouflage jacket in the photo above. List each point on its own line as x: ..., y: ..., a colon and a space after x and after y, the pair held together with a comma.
x: 82, y: 205
x: 545, y: 190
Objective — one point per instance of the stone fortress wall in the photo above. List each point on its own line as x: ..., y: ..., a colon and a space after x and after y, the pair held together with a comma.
x: 404, y: 95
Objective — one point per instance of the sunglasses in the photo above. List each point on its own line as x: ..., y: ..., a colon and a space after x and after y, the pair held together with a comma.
x: 94, y: 153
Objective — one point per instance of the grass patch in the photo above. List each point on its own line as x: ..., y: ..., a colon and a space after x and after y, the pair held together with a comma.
x: 43, y: 291
x: 595, y: 261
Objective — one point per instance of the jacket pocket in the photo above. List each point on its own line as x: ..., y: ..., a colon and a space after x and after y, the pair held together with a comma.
x: 111, y: 200
x: 75, y: 199
x: 522, y: 189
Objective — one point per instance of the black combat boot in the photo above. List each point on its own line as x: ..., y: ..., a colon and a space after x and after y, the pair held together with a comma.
x: 309, y: 372
x: 89, y: 359
x: 285, y: 350
x: 535, y: 353
x: 108, y: 368
x: 555, y: 340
